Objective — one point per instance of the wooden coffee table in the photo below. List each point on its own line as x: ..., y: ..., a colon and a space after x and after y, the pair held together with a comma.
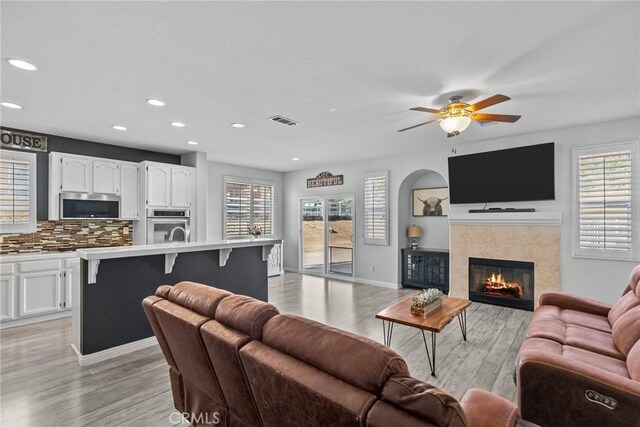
x: 434, y: 322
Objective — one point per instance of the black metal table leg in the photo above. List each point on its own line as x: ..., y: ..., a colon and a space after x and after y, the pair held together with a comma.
x: 387, y: 333
x: 462, y: 320
x: 431, y: 357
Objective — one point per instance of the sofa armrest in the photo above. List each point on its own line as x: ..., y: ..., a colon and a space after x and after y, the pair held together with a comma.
x: 484, y: 409
x: 574, y: 302
x: 553, y: 389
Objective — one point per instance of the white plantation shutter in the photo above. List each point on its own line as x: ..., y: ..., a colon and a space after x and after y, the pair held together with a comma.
x: 263, y: 207
x: 17, y: 192
x: 248, y: 203
x: 605, y: 186
x: 376, y: 208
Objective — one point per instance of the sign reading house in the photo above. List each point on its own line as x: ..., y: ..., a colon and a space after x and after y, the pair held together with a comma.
x: 325, y: 179
x: 23, y: 141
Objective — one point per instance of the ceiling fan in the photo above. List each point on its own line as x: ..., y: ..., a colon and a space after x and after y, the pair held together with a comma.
x: 457, y: 115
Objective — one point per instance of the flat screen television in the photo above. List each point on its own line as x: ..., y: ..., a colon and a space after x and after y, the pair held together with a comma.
x: 512, y: 175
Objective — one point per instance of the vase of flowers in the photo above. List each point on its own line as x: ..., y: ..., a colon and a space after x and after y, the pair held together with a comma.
x: 424, y: 302
x: 254, y: 231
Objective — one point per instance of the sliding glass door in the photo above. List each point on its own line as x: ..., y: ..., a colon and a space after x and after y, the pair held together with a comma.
x: 326, y: 238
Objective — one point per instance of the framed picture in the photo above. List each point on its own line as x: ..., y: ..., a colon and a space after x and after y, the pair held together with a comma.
x: 431, y: 201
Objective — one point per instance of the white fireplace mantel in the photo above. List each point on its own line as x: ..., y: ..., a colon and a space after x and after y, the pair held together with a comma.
x: 507, y: 218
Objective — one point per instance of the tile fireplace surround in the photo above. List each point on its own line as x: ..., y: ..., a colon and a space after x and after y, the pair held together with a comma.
x: 522, y: 236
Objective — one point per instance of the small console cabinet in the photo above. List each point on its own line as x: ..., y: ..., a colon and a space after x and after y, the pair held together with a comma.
x: 426, y: 268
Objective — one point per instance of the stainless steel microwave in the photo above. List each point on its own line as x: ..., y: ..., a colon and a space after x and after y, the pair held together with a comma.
x: 80, y: 205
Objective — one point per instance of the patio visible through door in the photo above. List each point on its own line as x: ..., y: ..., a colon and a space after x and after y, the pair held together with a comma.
x: 327, y: 235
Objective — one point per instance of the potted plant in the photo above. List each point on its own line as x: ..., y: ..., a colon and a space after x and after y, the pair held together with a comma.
x: 254, y: 231
x: 424, y: 302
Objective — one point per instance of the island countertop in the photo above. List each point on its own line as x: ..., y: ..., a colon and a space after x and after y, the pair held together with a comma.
x: 171, y: 248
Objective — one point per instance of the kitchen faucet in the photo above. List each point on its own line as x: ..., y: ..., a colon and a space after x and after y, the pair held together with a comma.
x: 185, y: 232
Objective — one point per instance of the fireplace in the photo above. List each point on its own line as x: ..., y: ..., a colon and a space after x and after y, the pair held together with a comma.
x: 501, y: 282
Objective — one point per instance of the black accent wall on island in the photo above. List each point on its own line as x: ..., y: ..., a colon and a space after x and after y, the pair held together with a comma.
x: 62, y: 144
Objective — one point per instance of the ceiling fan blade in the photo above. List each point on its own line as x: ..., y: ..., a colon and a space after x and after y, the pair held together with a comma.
x: 496, y: 118
x: 492, y: 100
x: 426, y: 110
x: 416, y: 126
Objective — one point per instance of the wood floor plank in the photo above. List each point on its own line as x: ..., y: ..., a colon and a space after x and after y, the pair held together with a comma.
x: 41, y: 382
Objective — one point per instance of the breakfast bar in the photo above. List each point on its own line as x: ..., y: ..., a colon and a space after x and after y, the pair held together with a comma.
x: 108, y: 319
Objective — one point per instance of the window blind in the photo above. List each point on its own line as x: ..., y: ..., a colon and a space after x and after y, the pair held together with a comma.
x: 248, y: 203
x: 605, y: 201
x: 376, y: 208
x: 15, y: 192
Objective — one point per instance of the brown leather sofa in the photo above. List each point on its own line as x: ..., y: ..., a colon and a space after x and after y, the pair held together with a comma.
x: 236, y: 361
x: 580, y: 363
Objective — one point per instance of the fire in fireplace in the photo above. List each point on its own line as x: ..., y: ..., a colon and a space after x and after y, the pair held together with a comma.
x: 501, y: 282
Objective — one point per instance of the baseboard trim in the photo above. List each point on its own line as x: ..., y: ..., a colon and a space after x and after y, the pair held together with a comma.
x: 34, y: 319
x: 110, y: 353
x: 347, y: 279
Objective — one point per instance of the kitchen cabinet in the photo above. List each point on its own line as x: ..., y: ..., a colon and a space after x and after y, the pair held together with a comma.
x: 129, y: 201
x: 7, y: 297
x: 181, y: 187
x: 158, y: 186
x: 106, y: 177
x: 39, y: 292
x: 75, y: 174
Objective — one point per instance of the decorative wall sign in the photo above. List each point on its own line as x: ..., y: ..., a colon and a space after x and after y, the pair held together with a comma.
x: 325, y: 179
x: 431, y: 201
x: 23, y: 141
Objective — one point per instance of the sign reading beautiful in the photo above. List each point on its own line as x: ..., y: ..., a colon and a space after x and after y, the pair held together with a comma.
x: 23, y: 141
x: 325, y: 179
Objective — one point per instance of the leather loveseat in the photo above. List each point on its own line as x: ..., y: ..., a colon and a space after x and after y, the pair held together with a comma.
x: 580, y: 363
x: 236, y: 361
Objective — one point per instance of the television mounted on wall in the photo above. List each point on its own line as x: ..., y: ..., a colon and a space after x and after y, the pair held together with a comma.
x: 511, y: 175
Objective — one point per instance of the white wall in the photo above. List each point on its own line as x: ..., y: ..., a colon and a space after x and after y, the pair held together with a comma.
x: 215, y: 195
x: 600, y: 279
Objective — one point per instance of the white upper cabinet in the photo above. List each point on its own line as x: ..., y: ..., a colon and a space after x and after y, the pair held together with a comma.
x: 76, y: 174
x: 181, y: 187
x: 159, y: 186
x: 106, y: 177
x: 129, y: 201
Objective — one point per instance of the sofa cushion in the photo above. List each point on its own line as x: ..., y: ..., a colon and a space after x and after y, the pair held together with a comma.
x: 423, y: 400
x: 384, y: 414
x: 575, y: 336
x: 633, y: 362
x: 291, y: 393
x: 200, y: 298
x: 626, y: 331
x: 593, y: 321
x: 356, y: 360
x: 598, y: 361
x: 624, y: 304
x: 245, y: 314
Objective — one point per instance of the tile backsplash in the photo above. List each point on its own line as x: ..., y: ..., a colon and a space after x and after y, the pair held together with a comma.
x: 69, y: 235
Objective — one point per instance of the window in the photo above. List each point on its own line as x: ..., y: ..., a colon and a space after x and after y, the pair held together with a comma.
x: 605, y: 198
x: 17, y: 192
x: 248, y: 202
x: 376, y: 208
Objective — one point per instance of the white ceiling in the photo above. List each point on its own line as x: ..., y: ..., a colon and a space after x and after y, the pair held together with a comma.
x: 349, y: 72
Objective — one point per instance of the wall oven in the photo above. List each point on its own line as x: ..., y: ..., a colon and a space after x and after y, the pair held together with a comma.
x: 85, y: 206
x: 168, y: 225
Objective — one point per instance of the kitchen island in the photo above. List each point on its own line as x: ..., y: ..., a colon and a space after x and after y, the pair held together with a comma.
x: 108, y: 319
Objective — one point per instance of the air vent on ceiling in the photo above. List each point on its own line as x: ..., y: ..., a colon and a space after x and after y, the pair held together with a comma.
x: 284, y: 120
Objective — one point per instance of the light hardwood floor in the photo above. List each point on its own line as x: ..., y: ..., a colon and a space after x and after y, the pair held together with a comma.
x: 41, y: 383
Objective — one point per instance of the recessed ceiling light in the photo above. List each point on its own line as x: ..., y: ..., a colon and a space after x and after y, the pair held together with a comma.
x: 11, y: 105
x: 23, y: 65
x: 295, y: 159
x: 178, y: 124
x: 118, y: 127
x: 155, y: 102
x: 192, y: 142
x: 237, y: 125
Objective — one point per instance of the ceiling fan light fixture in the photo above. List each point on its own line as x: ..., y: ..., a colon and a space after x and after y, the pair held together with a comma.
x: 455, y: 124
